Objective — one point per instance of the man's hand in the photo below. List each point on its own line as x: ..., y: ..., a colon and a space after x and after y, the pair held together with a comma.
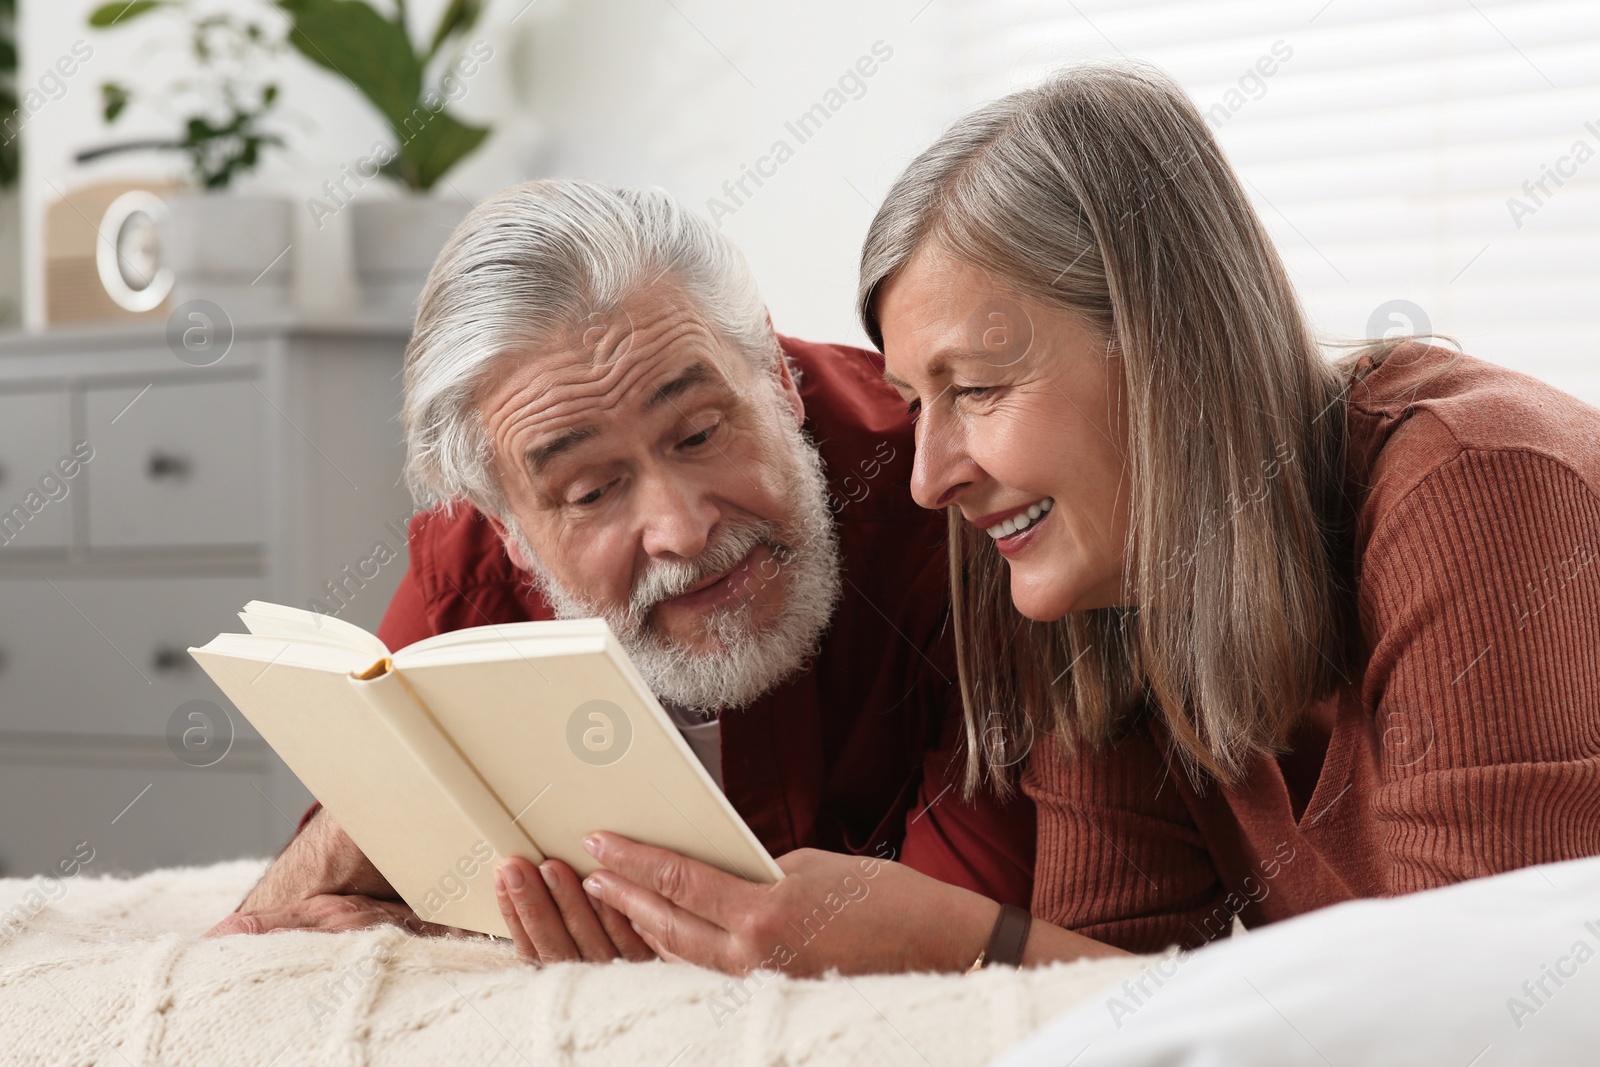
x: 321, y: 881
x: 331, y: 913
x: 552, y: 920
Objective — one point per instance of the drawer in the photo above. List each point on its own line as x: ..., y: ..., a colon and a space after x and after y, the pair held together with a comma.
x: 83, y: 655
x: 35, y: 454
x: 183, y: 466
x: 63, y: 809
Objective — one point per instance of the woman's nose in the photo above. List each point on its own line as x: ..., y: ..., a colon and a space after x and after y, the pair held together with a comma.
x: 941, y: 468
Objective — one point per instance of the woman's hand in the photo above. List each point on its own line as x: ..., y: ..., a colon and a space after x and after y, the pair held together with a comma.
x: 552, y: 921
x: 851, y: 913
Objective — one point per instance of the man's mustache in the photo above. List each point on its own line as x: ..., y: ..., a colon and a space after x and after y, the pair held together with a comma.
x: 663, y: 579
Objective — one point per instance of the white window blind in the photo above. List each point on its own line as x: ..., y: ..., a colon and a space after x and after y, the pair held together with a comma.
x: 1441, y: 152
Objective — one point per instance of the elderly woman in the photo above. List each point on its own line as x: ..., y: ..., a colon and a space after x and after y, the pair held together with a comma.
x: 1257, y: 632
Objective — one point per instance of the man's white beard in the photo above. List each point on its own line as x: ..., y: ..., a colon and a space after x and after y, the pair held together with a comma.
x: 747, y: 663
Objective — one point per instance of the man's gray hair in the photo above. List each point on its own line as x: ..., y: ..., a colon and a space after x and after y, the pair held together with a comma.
x: 527, y: 264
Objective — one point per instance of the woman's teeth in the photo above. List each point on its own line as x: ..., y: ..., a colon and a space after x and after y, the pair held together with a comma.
x: 1021, y: 520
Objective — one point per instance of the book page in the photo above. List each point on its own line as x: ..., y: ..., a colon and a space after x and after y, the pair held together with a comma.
x: 573, y: 742
x: 278, y: 620
x: 304, y: 703
x: 491, y: 641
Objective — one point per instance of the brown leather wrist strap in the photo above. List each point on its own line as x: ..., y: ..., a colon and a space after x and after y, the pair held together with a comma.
x: 1008, y: 939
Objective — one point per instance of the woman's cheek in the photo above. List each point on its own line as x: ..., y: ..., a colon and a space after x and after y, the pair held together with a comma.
x: 1027, y: 450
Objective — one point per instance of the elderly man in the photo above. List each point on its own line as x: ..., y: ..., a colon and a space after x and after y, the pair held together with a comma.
x: 597, y: 404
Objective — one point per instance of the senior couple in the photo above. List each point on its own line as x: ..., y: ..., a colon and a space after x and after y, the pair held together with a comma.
x: 1095, y: 609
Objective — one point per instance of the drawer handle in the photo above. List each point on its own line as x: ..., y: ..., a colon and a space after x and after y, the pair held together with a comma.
x: 162, y: 465
x: 170, y: 661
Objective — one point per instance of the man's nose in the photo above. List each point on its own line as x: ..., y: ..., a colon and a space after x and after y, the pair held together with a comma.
x: 678, y: 518
x: 942, y: 468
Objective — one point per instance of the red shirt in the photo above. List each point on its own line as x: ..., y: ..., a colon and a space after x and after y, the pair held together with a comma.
x: 854, y: 754
x: 1465, y: 744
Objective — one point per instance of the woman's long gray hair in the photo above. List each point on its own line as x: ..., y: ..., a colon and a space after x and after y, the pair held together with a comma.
x: 1102, y: 192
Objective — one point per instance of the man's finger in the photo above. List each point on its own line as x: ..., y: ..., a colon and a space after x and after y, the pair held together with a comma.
x: 237, y: 923
x: 330, y: 913
x: 697, y: 887
x: 400, y: 914
x: 268, y: 921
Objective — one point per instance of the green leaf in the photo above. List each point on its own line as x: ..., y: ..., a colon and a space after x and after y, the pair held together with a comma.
x: 113, y: 99
x: 120, y: 11
x: 430, y: 144
x: 352, y: 40
x: 459, y: 17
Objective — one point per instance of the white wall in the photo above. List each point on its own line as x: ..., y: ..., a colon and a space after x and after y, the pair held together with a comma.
x: 685, y: 95
x: 1381, y: 155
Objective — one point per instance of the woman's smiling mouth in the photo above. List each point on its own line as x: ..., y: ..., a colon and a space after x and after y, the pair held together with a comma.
x: 1014, y: 528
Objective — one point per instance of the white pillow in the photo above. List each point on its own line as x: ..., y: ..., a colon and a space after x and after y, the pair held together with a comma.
x: 1494, y: 971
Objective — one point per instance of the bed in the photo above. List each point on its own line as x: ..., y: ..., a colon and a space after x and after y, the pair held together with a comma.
x: 114, y: 972
x: 110, y: 971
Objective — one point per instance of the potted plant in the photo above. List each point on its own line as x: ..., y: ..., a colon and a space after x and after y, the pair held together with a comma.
x: 10, y: 164
x: 411, y: 85
x: 224, y: 246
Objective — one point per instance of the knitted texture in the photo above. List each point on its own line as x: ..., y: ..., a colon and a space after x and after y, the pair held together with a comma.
x: 114, y: 972
x: 1466, y: 741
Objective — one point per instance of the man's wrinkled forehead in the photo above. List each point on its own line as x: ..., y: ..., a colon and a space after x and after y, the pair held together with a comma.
x: 618, y: 363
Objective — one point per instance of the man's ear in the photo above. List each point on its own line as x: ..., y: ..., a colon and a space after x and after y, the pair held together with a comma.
x: 791, y: 392
x: 509, y: 544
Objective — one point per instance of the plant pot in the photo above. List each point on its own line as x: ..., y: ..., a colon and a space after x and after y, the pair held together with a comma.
x: 395, y: 243
x: 232, y: 250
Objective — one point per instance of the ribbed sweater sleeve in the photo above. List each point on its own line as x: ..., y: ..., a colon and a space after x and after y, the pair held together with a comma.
x: 1119, y: 857
x: 1480, y: 601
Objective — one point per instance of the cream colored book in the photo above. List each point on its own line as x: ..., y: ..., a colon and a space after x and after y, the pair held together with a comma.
x: 450, y: 754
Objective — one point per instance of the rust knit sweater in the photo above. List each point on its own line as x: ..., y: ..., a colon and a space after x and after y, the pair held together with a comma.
x: 1466, y: 743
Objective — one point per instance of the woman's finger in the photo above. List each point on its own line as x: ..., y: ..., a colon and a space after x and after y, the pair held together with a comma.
x: 538, y: 915
x: 694, y: 886
x: 582, y: 925
x: 508, y: 912
x: 634, y: 948
x: 670, y: 931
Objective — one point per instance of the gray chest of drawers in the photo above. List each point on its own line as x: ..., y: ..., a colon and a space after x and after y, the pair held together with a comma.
x: 143, y: 500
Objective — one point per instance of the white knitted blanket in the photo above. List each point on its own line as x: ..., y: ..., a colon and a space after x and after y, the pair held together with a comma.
x: 114, y: 972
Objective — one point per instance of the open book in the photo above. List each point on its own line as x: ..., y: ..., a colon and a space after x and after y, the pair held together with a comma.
x: 473, y: 746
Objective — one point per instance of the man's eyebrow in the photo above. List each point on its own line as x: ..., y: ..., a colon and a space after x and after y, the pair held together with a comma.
x: 696, y: 374
x: 539, y: 458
